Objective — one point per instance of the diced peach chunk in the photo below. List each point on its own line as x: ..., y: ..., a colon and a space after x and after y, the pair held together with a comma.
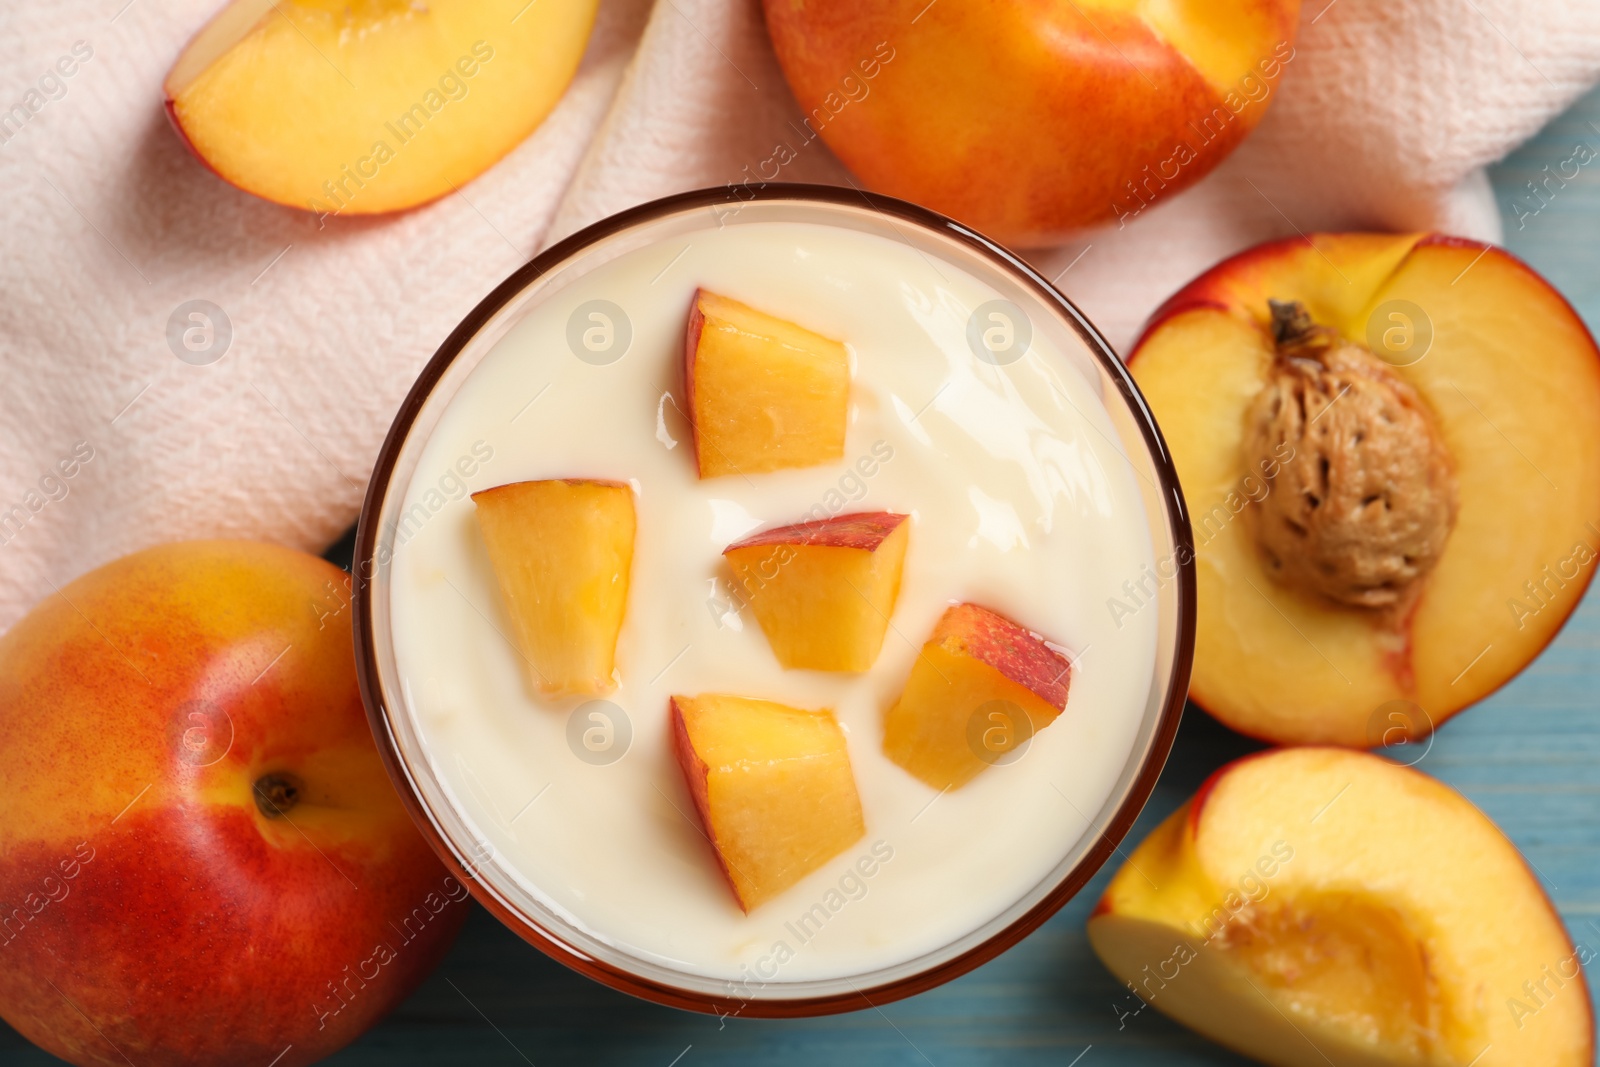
x: 764, y: 394
x: 823, y: 591
x: 772, y: 785
x: 980, y: 689
x: 561, y: 550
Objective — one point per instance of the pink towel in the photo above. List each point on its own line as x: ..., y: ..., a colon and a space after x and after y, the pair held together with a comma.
x: 1385, y: 118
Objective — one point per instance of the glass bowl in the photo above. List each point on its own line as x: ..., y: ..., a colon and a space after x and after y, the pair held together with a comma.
x: 488, y: 873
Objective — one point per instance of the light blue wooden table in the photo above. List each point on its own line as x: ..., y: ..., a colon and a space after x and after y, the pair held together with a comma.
x: 1529, y: 757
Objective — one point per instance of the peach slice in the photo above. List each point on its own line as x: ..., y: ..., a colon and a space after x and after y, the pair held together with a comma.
x: 764, y: 394
x: 772, y: 785
x: 561, y: 550
x: 1510, y: 380
x: 980, y: 689
x: 823, y: 591
x: 371, y: 106
x: 1319, y: 906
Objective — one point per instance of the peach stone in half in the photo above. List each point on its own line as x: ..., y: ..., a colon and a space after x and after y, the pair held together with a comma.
x: 1510, y: 378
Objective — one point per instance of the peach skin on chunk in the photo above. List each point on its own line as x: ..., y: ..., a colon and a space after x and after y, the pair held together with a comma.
x: 764, y: 394
x: 772, y: 785
x: 561, y: 550
x: 823, y: 591
x: 980, y: 689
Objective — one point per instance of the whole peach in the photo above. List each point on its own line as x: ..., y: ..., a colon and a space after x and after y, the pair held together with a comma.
x: 1031, y: 118
x: 202, y: 860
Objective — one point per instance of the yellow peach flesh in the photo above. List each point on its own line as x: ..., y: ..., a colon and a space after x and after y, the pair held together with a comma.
x: 773, y: 787
x: 562, y: 551
x: 1291, y: 913
x: 358, y: 108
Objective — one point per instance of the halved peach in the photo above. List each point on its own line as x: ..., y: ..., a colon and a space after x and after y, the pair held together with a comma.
x: 1508, y: 377
x: 979, y: 690
x: 772, y: 785
x: 562, y: 550
x: 823, y: 591
x: 371, y: 106
x: 764, y: 394
x: 1319, y: 906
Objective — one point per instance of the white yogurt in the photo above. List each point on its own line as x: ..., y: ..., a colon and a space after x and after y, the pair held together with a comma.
x: 1020, y: 501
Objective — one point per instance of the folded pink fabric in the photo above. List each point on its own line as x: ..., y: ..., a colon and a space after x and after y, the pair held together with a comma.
x: 1385, y: 118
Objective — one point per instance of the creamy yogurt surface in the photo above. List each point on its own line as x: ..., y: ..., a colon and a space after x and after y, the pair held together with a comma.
x: 1020, y: 500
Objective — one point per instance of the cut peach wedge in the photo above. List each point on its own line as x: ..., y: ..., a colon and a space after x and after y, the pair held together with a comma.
x: 562, y: 550
x: 979, y: 690
x: 372, y: 106
x: 772, y: 785
x: 1433, y: 515
x: 823, y: 591
x: 764, y: 394
x: 1317, y: 906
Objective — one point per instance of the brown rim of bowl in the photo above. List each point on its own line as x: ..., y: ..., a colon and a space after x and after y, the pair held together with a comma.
x: 1122, y: 819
